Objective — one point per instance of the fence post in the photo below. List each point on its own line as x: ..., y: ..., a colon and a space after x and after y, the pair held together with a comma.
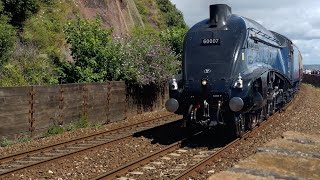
x: 85, y: 100
x: 31, y: 112
x: 108, y: 102
x: 126, y: 106
x: 61, y: 106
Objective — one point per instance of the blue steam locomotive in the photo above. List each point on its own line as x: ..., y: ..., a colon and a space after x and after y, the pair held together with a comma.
x: 235, y: 73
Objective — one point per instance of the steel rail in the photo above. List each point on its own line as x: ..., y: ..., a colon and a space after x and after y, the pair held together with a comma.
x: 49, y: 147
x: 116, y: 173
x: 197, y: 167
x: 83, y: 143
x: 144, y: 160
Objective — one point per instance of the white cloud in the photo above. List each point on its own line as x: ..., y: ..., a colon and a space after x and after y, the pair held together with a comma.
x: 310, y: 50
x: 298, y: 20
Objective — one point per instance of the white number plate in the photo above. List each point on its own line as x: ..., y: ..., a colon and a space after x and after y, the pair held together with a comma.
x: 211, y: 41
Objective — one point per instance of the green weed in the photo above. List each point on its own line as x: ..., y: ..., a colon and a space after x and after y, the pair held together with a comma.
x: 53, y: 130
x: 83, y: 122
x: 24, y: 138
x: 97, y: 126
x: 6, y: 142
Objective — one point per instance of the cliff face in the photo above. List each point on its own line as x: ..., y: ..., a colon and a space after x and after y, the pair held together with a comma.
x: 121, y: 15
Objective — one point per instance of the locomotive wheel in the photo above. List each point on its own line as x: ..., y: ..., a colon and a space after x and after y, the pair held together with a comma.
x: 265, y: 112
x: 240, y: 125
x: 187, y: 117
x: 252, y: 120
x: 188, y: 124
x: 274, y: 106
x: 260, y: 117
x: 270, y: 108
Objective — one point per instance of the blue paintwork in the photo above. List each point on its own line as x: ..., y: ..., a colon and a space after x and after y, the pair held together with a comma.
x: 238, y: 53
x: 245, y: 48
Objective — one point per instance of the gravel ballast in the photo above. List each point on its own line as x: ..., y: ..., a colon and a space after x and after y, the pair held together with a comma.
x: 301, y: 116
x: 37, y: 143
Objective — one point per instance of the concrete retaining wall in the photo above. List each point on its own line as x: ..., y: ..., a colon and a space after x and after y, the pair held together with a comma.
x: 31, y: 110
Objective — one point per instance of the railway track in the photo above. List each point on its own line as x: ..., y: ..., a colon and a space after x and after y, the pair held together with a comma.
x: 23, y: 160
x: 185, y: 163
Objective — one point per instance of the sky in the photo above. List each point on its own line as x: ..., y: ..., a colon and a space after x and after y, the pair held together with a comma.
x: 299, y: 20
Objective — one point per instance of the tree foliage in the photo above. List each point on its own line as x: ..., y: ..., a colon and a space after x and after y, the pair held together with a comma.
x: 174, y: 38
x: 20, y: 10
x: 37, y: 54
x: 173, y: 17
x: 7, y: 38
x: 142, y: 58
x: 91, y: 51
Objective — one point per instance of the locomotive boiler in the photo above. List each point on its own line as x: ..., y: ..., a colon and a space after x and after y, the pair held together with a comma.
x: 235, y: 73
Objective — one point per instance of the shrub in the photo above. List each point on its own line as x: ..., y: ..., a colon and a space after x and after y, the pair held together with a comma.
x: 147, y: 59
x: 7, y: 39
x: 174, y: 38
x: 45, y: 31
x: 12, y: 75
x: 142, y: 58
x: 28, y: 66
x: 40, y: 47
x: 94, y: 52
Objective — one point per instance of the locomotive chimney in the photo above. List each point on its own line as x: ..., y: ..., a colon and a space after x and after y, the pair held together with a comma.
x: 219, y: 14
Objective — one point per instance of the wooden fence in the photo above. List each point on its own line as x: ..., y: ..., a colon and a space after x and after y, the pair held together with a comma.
x: 31, y: 110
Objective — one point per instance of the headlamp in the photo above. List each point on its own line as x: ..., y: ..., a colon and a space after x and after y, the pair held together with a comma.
x: 204, y: 82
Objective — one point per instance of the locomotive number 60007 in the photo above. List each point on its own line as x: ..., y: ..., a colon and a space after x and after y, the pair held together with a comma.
x: 211, y: 41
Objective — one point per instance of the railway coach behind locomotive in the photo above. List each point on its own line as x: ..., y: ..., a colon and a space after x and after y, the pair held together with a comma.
x: 235, y: 73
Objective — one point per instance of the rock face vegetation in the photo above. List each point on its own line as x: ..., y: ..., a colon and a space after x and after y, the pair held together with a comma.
x: 73, y: 41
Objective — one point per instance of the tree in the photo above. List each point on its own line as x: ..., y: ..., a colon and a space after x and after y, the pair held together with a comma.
x: 19, y: 10
x: 173, y: 17
x: 93, y: 50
